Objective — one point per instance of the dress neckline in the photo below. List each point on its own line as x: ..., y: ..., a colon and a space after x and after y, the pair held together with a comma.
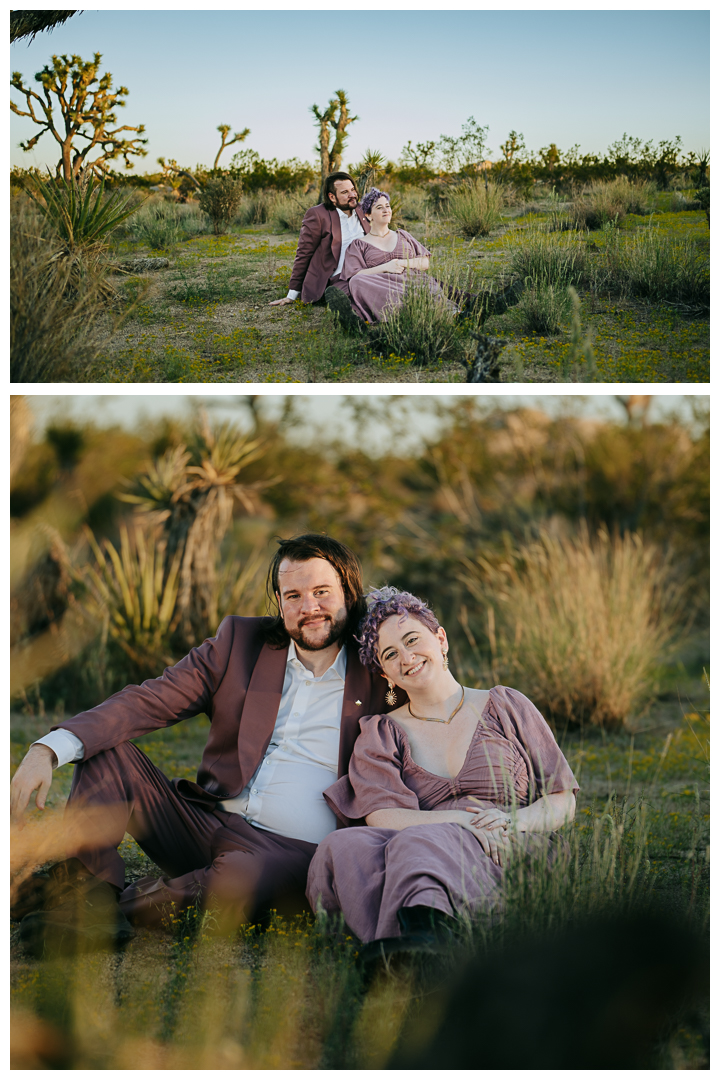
x: 385, y: 251
x: 438, y: 776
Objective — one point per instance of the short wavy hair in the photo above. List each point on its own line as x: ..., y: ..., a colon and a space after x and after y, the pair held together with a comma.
x: 371, y: 197
x: 382, y: 604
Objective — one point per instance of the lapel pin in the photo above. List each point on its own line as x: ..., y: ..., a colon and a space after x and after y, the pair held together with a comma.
x: 358, y: 702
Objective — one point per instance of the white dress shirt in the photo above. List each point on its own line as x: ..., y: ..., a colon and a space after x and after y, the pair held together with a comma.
x: 285, y: 794
x: 351, y: 230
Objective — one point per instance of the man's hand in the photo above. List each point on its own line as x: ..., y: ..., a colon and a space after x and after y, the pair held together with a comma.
x: 281, y: 303
x: 34, y: 774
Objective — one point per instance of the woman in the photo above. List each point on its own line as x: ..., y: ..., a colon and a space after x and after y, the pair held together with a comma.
x: 447, y: 785
x: 377, y: 268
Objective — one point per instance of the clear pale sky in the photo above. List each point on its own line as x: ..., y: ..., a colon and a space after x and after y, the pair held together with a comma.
x: 556, y: 76
x: 324, y: 413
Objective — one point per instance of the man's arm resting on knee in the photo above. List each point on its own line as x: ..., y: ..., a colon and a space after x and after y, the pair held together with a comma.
x: 33, y: 774
x: 308, y: 241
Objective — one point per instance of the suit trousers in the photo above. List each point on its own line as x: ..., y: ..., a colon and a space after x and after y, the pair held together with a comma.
x: 208, y: 855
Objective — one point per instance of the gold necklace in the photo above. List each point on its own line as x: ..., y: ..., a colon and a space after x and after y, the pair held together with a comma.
x: 438, y: 719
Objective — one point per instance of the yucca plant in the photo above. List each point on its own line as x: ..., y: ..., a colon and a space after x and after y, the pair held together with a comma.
x: 83, y: 220
x: 135, y: 593
x: 78, y: 210
x: 190, y: 492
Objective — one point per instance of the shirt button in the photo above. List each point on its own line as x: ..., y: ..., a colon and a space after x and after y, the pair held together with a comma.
x: 254, y: 791
x: 307, y: 682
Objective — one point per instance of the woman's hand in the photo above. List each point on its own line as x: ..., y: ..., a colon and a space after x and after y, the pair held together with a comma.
x: 492, y: 818
x: 395, y: 266
x: 495, y: 841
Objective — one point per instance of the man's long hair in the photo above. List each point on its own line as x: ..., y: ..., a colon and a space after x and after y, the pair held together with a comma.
x: 340, y: 557
x: 329, y: 186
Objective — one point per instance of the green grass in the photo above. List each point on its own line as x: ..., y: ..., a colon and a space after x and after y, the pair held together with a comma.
x: 290, y: 996
x: 645, y: 321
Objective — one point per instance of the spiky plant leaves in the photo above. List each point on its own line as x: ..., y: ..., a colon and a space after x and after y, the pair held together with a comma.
x: 78, y: 210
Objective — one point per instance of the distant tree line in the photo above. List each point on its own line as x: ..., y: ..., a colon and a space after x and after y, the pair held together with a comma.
x: 77, y: 106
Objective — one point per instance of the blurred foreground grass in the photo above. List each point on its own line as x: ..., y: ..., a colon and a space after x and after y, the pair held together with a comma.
x: 291, y: 996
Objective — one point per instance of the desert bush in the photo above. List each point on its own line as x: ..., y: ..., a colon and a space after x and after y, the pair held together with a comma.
x: 558, y: 260
x: 414, y: 204
x: 659, y: 268
x: 289, y: 210
x: 475, y: 208
x: 611, y: 201
x: 57, y: 304
x: 256, y: 209
x: 422, y: 326
x: 161, y: 225
x: 219, y: 199
x: 579, y: 623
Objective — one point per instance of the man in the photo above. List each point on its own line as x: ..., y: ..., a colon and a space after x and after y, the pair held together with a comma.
x: 284, y: 696
x: 326, y: 233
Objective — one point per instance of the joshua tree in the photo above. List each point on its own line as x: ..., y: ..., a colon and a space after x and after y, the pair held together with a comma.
x: 87, y: 110
x: 331, y: 158
x: 224, y: 130
x: 29, y: 23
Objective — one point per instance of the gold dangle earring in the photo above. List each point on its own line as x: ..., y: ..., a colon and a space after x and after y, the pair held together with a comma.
x: 391, y: 696
x: 446, y: 662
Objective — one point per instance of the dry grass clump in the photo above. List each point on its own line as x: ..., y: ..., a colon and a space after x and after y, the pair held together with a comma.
x: 256, y: 209
x: 57, y: 305
x: 660, y: 268
x: 289, y: 210
x: 611, y: 200
x: 553, y: 259
x: 581, y: 623
x: 161, y: 225
x: 422, y: 327
x: 475, y: 209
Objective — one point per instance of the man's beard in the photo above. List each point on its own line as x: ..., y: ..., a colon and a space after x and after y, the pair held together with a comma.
x: 335, y: 628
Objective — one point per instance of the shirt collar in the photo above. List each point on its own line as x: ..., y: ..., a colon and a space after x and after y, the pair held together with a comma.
x: 339, y: 664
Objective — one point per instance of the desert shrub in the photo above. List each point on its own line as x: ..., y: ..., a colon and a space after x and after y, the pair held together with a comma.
x: 580, y: 623
x: 543, y: 306
x: 421, y: 326
x: 219, y: 199
x: 289, y: 210
x: 558, y: 260
x: 475, y: 209
x: 256, y: 209
x: 161, y: 225
x: 414, y: 204
x: 611, y: 201
x: 659, y: 268
x: 57, y: 304
x: 680, y: 203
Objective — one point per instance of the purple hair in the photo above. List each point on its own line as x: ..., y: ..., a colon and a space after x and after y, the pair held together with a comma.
x: 383, y: 604
x: 370, y: 198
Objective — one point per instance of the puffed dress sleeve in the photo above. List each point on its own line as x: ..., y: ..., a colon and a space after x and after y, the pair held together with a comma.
x: 354, y: 259
x: 525, y: 726
x: 374, y: 780
x: 418, y: 247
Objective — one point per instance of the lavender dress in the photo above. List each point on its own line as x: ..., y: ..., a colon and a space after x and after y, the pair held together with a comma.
x: 370, y: 873
x: 374, y: 295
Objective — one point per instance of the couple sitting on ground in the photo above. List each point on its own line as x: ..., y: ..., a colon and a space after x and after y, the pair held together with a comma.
x: 344, y: 762
x: 348, y: 255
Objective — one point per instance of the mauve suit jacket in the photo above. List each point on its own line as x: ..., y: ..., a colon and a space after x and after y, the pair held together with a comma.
x: 237, y: 680
x: 318, y: 251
